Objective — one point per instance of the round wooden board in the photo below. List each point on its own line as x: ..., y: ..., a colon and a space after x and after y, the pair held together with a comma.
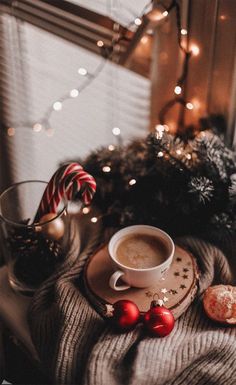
x: 177, y: 289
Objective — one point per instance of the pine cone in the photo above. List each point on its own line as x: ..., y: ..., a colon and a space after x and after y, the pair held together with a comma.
x: 36, y: 257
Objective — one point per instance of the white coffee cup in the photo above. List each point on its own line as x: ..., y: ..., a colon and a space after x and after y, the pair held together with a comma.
x: 144, y: 277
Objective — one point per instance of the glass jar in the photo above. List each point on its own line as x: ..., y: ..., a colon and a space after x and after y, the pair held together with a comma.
x: 32, y: 250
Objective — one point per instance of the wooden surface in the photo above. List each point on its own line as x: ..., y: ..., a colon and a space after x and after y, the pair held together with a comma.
x: 177, y: 289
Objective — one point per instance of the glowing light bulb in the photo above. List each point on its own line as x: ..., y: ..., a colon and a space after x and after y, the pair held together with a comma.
x: 132, y: 182
x: 160, y: 130
x: 137, y: 21
x: 165, y: 13
x: 86, y: 210
x: 116, y: 131
x: 144, y: 39
x: 160, y: 154
x: 11, y: 131
x: 184, y: 32
x: 195, y: 49
x: 179, y: 152
x: 223, y: 17
x: 155, y: 15
x: 106, y: 169
x: 82, y: 71
x: 74, y: 93
x: 150, y: 31
x: 111, y: 147
x: 57, y: 106
x: 94, y: 219
x: 188, y: 156
x: 196, y: 103
x: 189, y: 106
x: 178, y: 90
x: 37, y: 127
x: 100, y: 43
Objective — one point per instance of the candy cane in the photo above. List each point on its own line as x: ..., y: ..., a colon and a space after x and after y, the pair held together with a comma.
x: 52, y: 187
x: 66, y: 183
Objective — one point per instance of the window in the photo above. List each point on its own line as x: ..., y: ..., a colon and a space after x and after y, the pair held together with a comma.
x: 38, y: 68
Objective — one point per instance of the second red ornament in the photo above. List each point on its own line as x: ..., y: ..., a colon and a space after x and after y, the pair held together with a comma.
x: 159, y: 321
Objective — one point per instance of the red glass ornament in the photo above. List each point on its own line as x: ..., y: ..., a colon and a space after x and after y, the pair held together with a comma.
x: 125, y: 314
x: 159, y: 320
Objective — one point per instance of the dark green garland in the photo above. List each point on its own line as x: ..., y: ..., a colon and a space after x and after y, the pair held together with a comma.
x: 182, y: 186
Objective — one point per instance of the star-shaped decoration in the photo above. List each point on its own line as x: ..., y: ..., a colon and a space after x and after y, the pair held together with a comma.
x: 183, y: 287
x: 176, y: 274
x: 164, y: 290
x: 148, y: 293
x: 109, y: 310
x: 178, y: 259
x: 172, y: 291
x: 185, y: 270
x: 185, y: 276
x: 165, y: 299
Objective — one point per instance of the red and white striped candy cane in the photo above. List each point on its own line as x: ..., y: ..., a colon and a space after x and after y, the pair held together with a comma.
x: 81, y: 180
x: 69, y: 187
x: 52, y: 188
x: 61, y: 182
x: 66, y: 182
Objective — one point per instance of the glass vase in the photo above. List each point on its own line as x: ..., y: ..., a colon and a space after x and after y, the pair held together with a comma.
x: 32, y: 250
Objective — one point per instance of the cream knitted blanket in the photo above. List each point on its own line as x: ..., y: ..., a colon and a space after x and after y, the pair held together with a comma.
x: 76, y: 346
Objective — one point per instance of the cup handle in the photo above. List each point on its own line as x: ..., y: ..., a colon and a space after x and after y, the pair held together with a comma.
x: 113, y: 280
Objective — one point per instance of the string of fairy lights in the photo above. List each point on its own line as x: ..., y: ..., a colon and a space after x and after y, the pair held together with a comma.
x: 189, y: 50
x: 107, y: 54
x: 179, y: 90
x: 88, y: 78
x: 179, y: 98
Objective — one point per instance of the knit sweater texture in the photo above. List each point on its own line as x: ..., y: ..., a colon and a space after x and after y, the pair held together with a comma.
x: 77, y: 346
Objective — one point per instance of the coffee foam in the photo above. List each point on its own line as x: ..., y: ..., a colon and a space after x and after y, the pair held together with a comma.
x: 141, y: 251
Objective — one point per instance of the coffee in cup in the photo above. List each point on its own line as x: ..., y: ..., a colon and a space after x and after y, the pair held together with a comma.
x: 140, y: 255
x: 141, y: 251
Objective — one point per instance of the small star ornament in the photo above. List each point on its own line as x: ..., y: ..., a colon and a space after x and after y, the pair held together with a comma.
x: 109, y: 310
x: 164, y: 291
